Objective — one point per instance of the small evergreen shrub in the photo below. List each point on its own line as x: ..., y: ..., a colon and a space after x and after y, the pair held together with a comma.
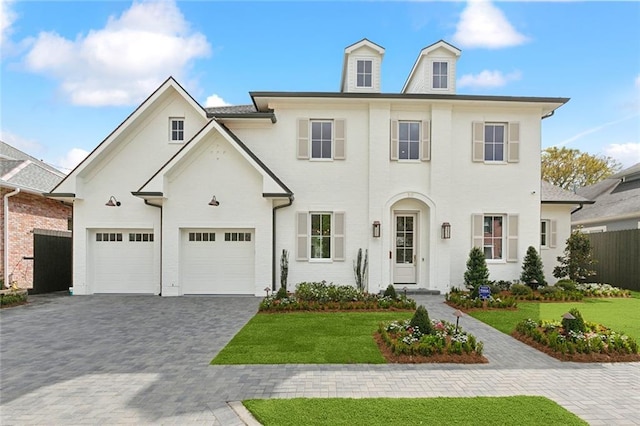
x: 521, y: 290
x: 576, y: 325
x: 532, y: 269
x: 282, y: 293
x: 391, y: 292
x: 567, y: 285
x: 421, y: 320
x: 503, y: 284
x: 477, y: 273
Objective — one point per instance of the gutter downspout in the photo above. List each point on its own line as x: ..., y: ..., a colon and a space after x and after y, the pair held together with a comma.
x: 7, y: 284
x: 578, y: 209
x: 273, y: 242
x: 161, y: 241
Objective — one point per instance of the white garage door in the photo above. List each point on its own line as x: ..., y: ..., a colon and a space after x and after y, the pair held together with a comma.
x: 122, y: 261
x: 217, y: 261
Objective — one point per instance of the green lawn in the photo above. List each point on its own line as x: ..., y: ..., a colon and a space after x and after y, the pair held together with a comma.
x: 308, y: 338
x: 619, y: 314
x: 520, y: 410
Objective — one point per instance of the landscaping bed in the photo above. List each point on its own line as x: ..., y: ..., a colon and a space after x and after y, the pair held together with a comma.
x: 12, y: 297
x: 573, y: 339
x: 421, y: 340
x: 320, y: 296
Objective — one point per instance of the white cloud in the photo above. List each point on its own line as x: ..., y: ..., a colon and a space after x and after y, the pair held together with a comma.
x: 484, y: 25
x: 594, y: 129
x: 488, y: 79
x: 638, y: 82
x: 71, y: 159
x: 626, y: 153
x: 7, y: 18
x: 123, y: 62
x: 215, y: 101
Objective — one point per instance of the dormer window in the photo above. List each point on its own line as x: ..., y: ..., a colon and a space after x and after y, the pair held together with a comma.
x: 440, y: 75
x: 364, y: 73
x: 176, y: 129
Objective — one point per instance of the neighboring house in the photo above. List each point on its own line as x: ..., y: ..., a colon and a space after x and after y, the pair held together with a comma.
x: 617, y: 203
x: 180, y: 199
x: 23, y: 180
x: 555, y: 223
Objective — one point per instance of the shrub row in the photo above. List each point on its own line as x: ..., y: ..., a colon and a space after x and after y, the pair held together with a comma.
x: 12, y: 297
x: 465, y: 301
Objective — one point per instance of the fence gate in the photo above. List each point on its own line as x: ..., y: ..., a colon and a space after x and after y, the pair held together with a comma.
x: 52, y: 261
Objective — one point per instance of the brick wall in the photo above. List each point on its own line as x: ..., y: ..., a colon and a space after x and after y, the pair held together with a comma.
x: 26, y: 212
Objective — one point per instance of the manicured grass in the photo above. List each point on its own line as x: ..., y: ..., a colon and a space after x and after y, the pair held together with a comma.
x: 520, y: 410
x: 308, y: 338
x: 620, y: 314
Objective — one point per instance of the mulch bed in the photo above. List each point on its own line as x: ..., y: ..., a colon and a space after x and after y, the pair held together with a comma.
x: 576, y: 357
x: 421, y: 359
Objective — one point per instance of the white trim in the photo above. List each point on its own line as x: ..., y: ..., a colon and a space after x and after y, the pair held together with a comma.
x: 593, y: 229
x: 604, y: 218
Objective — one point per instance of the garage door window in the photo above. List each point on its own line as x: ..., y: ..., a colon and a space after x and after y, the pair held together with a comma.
x: 108, y: 237
x: 202, y: 236
x: 141, y: 237
x: 237, y: 236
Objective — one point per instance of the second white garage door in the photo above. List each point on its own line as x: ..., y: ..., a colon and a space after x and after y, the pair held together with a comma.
x: 217, y: 261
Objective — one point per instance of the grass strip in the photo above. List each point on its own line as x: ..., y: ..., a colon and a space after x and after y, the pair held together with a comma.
x: 520, y: 410
x: 308, y: 338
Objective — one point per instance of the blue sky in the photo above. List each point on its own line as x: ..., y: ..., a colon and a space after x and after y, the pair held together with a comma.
x: 72, y: 71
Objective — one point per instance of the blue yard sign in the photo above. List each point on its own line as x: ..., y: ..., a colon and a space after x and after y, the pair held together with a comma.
x: 485, y: 292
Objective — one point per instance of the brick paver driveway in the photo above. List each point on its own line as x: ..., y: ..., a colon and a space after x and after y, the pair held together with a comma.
x: 144, y: 360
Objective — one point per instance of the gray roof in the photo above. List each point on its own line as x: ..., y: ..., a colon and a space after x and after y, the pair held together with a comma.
x: 616, y: 196
x: 20, y: 170
x: 552, y: 194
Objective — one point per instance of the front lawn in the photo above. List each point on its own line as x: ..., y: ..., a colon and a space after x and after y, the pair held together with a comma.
x: 619, y: 314
x: 308, y: 338
x: 520, y: 410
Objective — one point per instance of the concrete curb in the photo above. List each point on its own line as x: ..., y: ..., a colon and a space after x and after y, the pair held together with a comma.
x: 243, y: 414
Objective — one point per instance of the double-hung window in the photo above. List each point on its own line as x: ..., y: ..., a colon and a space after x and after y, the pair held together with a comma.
x: 544, y: 233
x: 364, y: 73
x: 321, y: 139
x: 409, y: 140
x: 495, y: 142
x: 440, y: 75
x: 548, y: 233
x: 496, y: 235
x: 176, y: 129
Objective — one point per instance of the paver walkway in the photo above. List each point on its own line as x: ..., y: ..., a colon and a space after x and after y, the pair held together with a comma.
x: 144, y: 360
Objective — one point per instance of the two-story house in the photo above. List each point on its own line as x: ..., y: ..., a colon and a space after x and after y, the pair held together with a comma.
x: 180, y: 199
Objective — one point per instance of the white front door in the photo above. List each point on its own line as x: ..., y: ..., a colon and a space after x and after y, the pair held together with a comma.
x: 405, y: 237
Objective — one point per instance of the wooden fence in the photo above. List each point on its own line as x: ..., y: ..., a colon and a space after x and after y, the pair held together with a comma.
x: 618, y: 256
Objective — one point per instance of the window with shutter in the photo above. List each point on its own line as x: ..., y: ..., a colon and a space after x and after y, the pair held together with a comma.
x: 339, y: 139
x: 513, y: 147
x: 393, y: 145
x: 512, y: 238
x: 425, y: 149
x: 338, y: 236
x: 302, y: 236
x: 553, y: 234
x: 410, y: 140
x: 303, y: 139
x: 496, y: 142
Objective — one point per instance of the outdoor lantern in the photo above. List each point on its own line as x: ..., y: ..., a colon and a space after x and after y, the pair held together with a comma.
x: 446, y: 230
x: 376, y: 229
x: 214, y: 202
x: 113, y: 202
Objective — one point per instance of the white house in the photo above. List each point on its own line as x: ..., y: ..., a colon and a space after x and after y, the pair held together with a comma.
x: 203, y: 201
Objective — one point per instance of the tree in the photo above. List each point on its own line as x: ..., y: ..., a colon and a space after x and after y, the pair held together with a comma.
x: 532, y: 269
x: 577, y: 258
x: 477, y: 273
x: 570, y: 168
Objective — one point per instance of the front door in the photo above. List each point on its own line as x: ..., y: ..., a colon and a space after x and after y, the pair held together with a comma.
x: 406, y: 235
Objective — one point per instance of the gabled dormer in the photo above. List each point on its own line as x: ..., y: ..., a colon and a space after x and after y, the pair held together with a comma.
x: 434, y: 70
x: 361, y: 67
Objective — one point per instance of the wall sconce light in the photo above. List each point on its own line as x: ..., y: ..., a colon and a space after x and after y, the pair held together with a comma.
x: 446, y: 230
x: 113, y: 202
x: 376, y: 229
x: 214, y: 202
